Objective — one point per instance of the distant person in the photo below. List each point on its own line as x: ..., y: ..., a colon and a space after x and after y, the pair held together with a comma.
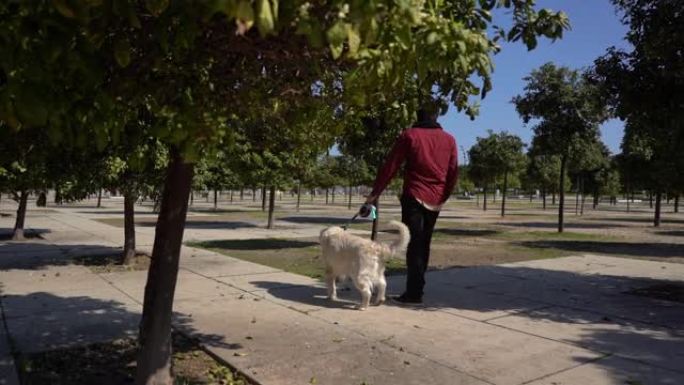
x: 430, y: 174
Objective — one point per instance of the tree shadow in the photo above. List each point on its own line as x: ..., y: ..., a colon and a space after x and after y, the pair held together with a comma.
x: 671, y: 233
x: 55, y: 335
x: 331, y: 221
x: 467, y: 232
x: 38, y: 255
x: 649, y: 220
x: 204, y: 224
x: 32, y: 233
x: 662, y: 250
x: 254, y: 244
x: 571, y: 225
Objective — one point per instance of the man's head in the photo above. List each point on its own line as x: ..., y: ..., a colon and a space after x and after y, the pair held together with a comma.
x: 428, y: 112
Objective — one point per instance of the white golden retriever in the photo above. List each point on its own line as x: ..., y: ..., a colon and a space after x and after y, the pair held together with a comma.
x: 362, y: 260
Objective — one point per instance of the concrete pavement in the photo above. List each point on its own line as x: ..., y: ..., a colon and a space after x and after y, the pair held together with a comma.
x: 566, y: 321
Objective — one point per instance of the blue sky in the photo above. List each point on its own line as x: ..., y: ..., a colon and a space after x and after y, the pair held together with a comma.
x: 595, y: 27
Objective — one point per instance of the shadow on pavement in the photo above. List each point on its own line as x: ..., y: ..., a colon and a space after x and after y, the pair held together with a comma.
x: 34, y: 255
x: 6, y: 233
x: 662, y: 250
x: 467, y: 232
x: 571, y: 225
x: 317, y: 220
x: 254, y: 244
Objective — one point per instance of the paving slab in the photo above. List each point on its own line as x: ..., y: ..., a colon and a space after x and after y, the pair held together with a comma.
x: 261, y: 340
x: 597, y: 332
x: 269, y: 280
x: 45, y: 303
x: 57, y: 279
x: 489, y: 352
x: 8, y: 371
x: 613, y: 371
x: 217, y: 265
x: 73, y: 328
x: 189, y: 285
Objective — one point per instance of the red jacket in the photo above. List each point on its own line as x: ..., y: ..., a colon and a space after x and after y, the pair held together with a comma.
x: 431, y: 164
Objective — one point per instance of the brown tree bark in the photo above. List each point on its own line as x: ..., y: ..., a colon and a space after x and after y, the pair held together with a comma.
x: 658, y: 201
x: 349, y: 205
x: 18, y: 232
x: 543, y: 192
x: 676, y: 203
x: 129, y: 229
x: 271, y: 207
x: 503, y: 197
x: 484, y: 198
x: 215, y: 199
x: 561, y: 188
x: 299, y: 194
x: 374, y: 228
x: 263, y: 198
x: 154, y: 355
x: 99, y: 198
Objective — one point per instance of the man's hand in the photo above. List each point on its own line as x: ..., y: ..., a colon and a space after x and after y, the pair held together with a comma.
x: 370, y: 199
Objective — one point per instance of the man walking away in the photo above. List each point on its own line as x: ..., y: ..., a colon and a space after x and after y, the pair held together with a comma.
x: 431, y: 172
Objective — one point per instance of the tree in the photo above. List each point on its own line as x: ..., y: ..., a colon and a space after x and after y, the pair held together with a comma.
x: 194, y: 64
x: 568, y: 109
x: 499, y: 155
x: 644, y: 86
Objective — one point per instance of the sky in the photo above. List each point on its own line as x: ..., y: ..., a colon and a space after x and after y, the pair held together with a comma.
x: 595, y: 27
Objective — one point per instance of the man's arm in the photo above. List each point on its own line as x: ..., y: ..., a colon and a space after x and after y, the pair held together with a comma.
x: 452, y: 174
x: 394, y: 160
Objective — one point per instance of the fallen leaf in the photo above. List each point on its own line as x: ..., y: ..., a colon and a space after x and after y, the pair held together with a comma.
x: 340, y: 339
x: 238, y: 354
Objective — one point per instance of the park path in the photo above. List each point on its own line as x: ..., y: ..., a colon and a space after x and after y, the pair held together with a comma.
x: 564, y: 321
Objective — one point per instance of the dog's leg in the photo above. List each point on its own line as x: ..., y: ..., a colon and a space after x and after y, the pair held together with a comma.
x: 382, y: 286
x: 364, y: 287
x: 330, y: 282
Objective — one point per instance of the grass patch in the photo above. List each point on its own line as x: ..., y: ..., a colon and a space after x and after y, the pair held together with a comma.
x: 113, y: 363
x: 553, y: 235
x: 112, y: 263
x: 294, y: 256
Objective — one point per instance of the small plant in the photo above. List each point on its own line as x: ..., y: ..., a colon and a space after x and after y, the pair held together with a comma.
x: 221, y: 375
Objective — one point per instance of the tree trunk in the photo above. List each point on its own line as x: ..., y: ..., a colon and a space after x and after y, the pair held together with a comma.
x: 263, y: 198
x: 374, y: 228
x: 628, y: 203
x: 215, y: 199
x: 350, y: 197
x: 154, y: 355
x: 584, y: 198
x: 333, y: 195
x: 231, y: 196
x: 543, y: 198
x: 503, y: 197
x: 242, y: 194
x: 253, y: 194
x: 676, y: 203
x: 656, y: 218
x: 553, y: 198
x: 577, y: 196
x: 271, y: 207
x: 192, y: 198
x: 327, y: 192
x: 561, y: 188
x: 484, y: 198
x: 650, y: 199
x: 596, y: 198
x: 299, y: 194
x: 99, y: 198
x: 18, y: 232
x: 129, y: 229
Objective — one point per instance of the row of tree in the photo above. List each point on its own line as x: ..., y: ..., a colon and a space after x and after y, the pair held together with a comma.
x: 91, y: 82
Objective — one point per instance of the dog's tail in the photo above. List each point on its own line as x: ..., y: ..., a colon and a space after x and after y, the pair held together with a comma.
x: 399, y: 245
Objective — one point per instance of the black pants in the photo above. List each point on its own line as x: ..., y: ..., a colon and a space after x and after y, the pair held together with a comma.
x: 420, y: 222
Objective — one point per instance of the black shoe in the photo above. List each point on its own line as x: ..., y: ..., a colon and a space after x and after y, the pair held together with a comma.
x: 407, y: 300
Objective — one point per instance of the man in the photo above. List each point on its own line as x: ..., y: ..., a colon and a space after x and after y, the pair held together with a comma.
x: 430, y: 175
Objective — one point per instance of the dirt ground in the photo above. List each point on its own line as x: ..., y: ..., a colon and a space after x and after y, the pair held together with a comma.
x: 113, y: 363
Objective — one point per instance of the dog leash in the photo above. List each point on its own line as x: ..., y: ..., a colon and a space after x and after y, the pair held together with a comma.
x: 365, y: 211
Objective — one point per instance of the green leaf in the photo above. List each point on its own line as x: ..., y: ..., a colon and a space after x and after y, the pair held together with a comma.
x: 336, y: 35
x: 265, y: 21
x: 354, y: 40
x: 64, y: 9
x: 30, y: 107
x: 122, y: 52
x: 244, y: 16
x: 156, y: 7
